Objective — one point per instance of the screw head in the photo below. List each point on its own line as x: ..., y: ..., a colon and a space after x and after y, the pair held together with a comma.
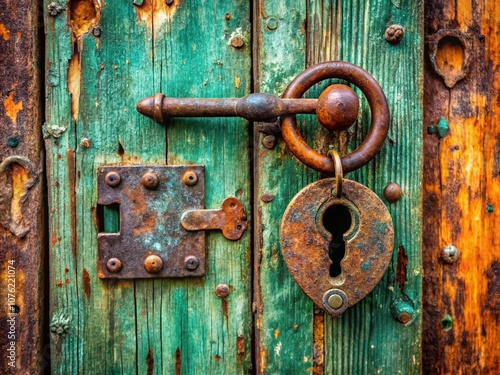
x: 237, y: 41
x: 272, y: 23
x: 150, y: 180
x: 222, y: 290
x: 96, y: 31
x: 450, y: 254
x: 335, y: 301
x: 153, y: 264
x: 191, y: 263
x: 269, y: 141
x: 392, y: 192
x: 337, y: 108
x: 394, y: 34
x: 114, y: 265
x: 190, y: 178
x: 402, y: 310
x: 113, y: 179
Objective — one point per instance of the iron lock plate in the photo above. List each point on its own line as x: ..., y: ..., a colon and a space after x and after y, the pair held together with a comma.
x: 162, y: 219
x: 150, y: 221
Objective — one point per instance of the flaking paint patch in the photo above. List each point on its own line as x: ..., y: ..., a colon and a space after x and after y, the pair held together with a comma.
x: 4, y: 33
x: 11, y: 107
x: 156, y: 13
x: 74, y: 81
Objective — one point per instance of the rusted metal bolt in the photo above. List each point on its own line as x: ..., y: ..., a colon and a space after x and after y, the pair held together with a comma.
x: 337, y: 108
x: 394, y: 34
x: 114, y: 265
x: 96, y: 31
x: 169, y: 2
x: 237, y: 41
x: 222, y: 290
x: 190, y: 178
x: 392, y: 192
x: 227, y: 16
x: 403, y: 311
x: 54, y: 9
x: 272, y: 23
x: 191, y: 263
x: 85, y: 142
x: 269, y: 141
x: 150, y: 180
x: 153, y: 264
x: 113, y: 179
x: 450, y: 254
x: 335, y: 301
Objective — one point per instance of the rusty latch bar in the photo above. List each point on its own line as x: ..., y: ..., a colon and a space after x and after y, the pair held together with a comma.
x: 231, y: 219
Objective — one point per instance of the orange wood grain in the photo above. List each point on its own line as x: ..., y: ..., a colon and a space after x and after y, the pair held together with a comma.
x: 461, y: 195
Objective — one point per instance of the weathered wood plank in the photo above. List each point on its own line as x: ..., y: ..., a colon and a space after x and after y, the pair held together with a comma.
x: 366, y: 339
x: 109, y: 59
x: 461, y: 191
x: 22, y: 233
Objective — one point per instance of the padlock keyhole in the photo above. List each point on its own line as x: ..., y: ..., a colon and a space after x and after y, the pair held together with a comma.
x: 337, y: 220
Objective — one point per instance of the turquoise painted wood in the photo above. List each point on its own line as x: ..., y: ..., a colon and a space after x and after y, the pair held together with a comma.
x: 294, y: 336
x: 98, y: 68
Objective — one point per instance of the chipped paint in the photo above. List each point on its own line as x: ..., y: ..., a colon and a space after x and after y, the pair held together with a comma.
x: 156, y: 13
x: 53, y: 130
x: 74, y: 82
x: 4, y: 33
x: 11, y: 107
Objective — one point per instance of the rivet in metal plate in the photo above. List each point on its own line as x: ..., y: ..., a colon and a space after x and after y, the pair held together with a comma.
x: 190, y: 178
x: 222, y: 290
x: 113, y: 179
x: 114, y: 265
x: 191, y: 263
x: 153, y: 264
x: 335, y: 301
x: 150, y: 180
x: 269, y: 141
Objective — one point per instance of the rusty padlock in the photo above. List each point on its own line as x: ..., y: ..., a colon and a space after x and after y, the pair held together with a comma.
x: 336, y: 235
x: 337, y: 240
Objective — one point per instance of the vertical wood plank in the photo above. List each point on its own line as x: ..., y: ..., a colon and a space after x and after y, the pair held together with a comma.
x: 366, y: 339
x: 22, y: 233
x: 112, y: 56
x: 461, y: 190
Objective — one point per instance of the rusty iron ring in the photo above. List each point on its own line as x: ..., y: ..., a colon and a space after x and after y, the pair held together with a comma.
x: 339, y: 174
x: 379, y: 127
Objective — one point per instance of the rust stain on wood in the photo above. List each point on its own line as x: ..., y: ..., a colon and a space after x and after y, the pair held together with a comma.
x: 240, y: 348
x: 318, y: 339
x: 178, y: 362
x: 86, y: 283
x: 150, y: 362
x: 70, y: 157
x: 401, y: 269
x: 12, y: 108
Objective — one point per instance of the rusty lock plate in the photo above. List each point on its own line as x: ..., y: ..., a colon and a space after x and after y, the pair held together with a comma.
x: 305, y: 244
x: 154, y: 240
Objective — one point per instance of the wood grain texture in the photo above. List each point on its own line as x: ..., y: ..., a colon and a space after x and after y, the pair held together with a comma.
x: 22, y: 233
x: 144, y: 326
x: 292, y: 336
x: 461, y: 191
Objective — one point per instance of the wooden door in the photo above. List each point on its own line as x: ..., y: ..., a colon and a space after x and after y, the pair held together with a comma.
x: 101, y: 59
x: 82, y: 65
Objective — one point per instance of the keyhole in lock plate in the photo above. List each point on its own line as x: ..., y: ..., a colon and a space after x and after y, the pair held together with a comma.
x: 337, y: 220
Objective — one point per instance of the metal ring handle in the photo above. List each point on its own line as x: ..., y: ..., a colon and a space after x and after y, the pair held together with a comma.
x: 379, y: 111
